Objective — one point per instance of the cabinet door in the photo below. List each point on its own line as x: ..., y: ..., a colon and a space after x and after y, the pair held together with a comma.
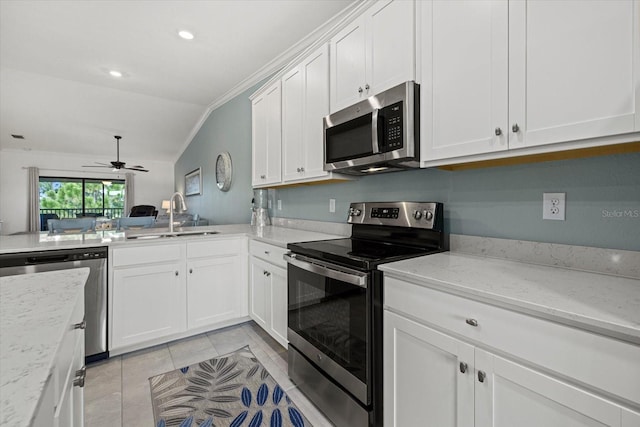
x: 513, y: 395
x: 348, y: 62
x: 148, y: 303
x: 292, y: 125
x: 214, y: 290
x: 391, y: 45
x: 573, y: 70
x: 259, y: 292
x: 267, y: 138
x: 630, y: 418
x: 278, y: 306
x: 70, y: 407
x: 316, y: 107
x: 464, y: 71
x: 423, y: 379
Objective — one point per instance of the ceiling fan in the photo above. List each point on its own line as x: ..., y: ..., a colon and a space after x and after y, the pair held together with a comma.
x: 117, y: 164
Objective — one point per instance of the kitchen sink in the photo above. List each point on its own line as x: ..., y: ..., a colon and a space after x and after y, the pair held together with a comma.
x: 167, y: 234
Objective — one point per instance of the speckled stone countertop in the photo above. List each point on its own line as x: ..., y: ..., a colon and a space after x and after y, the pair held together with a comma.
x: 601, y: 303
x: 35, y: 310
x: 278, y: 236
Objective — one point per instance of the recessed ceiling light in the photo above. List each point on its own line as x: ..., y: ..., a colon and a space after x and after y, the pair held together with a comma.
x: 115, y: 73
x: 186, y: 35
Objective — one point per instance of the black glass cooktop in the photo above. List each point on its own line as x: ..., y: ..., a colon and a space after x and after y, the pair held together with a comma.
x: 358, y: 253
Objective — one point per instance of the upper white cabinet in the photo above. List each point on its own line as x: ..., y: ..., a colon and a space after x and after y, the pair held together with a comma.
x: 305, y: 101
x: 267, y: 136
x: 505, y: 75
x: 373, y: 53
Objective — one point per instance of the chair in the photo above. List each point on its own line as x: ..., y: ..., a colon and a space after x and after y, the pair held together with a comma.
x: 133, y: 222
x: 71, y: 225
x: 44, y: 218
x: 143, y: 210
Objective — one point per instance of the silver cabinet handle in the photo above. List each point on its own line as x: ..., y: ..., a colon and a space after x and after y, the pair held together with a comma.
x: 81, y: 375
x: 267, y: 274
x: 264, y: 272
x: 472, y: 322
x: 191, y: 271
x: 481, y: 376
x: 515, y: 128
x: 463, y: 367
x: 498, y: 131
x: 81, y: 325
x: 266, y: 252
x: 298, y: 170
x: 301, y: 169
x: 262, y: 176
x: 176, y: 273
x: 360, y: 90
x: 366, y: 86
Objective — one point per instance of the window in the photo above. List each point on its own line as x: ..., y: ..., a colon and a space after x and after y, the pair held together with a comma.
x: 78, y: 197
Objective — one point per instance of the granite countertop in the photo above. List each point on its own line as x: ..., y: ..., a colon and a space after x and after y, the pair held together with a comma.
x: 35, y: 310
x: 278, y: 236
x: 601, y: 303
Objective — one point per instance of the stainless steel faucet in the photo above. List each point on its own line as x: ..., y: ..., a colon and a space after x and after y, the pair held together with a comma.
x: 183, y: 207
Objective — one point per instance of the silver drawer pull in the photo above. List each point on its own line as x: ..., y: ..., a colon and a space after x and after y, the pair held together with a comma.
x: 81, y: 325
x: 481, y: 376
x: 463, y: 367
x: 472, y: 322
x: 81, y: 375
x: 266, y: 252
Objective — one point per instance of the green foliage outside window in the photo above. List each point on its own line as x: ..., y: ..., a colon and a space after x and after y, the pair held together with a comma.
x: 64, y: 197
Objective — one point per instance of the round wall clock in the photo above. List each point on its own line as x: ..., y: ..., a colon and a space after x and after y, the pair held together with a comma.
x: 223, y: 171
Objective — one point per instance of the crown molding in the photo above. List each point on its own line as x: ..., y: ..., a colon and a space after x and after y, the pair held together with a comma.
x: 276, y: 67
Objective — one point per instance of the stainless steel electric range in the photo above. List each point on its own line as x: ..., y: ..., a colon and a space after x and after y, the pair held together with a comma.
x: 335, y: 308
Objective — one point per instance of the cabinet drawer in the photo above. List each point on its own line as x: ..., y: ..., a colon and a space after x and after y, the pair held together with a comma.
x: 602, y: 362
x: 147, y: 254
x: 64, y: 358
x: 216, y: 248
x: 267, y: 252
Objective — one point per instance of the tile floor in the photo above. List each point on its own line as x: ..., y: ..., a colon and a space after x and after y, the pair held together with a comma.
x: 117, y: 391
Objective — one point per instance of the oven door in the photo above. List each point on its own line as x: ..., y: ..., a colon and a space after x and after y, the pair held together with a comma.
x: 329, y: 319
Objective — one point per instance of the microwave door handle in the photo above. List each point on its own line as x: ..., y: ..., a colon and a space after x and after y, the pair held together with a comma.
x: 374, y: 132
x: 358, y: 279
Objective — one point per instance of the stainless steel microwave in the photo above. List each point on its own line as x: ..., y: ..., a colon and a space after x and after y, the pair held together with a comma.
x: 379, y: 134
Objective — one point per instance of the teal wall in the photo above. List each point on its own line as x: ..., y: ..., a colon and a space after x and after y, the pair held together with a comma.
x: 504, y: 202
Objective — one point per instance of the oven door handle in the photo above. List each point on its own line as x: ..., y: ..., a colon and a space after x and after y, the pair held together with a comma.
x: 354, y: 278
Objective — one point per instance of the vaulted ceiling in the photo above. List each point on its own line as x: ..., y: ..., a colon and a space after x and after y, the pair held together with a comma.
x: 55, y: 59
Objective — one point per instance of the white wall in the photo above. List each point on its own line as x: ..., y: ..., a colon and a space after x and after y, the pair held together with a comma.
x: 149, y: 188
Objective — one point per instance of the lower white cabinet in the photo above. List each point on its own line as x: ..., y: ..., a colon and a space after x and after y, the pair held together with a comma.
x: 62, y: 401
x: 268, y: 290
x: 164, y: 292
x: 433, y: 377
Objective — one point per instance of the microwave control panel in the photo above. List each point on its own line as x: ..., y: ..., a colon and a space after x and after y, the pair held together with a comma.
x: 392, y: 129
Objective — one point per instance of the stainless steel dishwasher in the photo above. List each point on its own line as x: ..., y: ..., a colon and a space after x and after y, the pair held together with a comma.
x: 95, y: 291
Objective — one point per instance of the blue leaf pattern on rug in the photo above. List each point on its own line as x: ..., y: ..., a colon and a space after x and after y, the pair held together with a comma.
x: 276, y: 418
x: 277, y: 394
x: 263, y: 394
x: 234, y: 390
x: 256, y: 421
x: 246, y: 397
x: 237, y: 422
x: 296, y: 417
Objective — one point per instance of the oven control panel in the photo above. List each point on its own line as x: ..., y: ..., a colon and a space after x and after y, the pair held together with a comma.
x: 398, y: 214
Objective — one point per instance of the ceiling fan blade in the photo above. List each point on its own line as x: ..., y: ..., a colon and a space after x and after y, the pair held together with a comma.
x: 137, y: 169
x: 100, y: 163
x: 95, y: 166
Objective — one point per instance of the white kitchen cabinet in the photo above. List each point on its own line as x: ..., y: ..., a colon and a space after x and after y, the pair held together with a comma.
x: 62, y: 401
x: 305, y: 101
x: 499, y: 76
x: 373, y: 53
x: 266, y: 119
x: 268, y: 290
x: 161, y: 292
x: 148, y: 302
x: 216, y: 282
x: 465, y: 363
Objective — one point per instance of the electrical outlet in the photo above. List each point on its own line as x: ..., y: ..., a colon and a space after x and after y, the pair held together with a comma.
x: 279, y: 204
x: 332, y: 205
x: 553, y: 206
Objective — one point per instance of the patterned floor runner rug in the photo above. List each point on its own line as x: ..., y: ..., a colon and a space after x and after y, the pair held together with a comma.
x: 233, y: 390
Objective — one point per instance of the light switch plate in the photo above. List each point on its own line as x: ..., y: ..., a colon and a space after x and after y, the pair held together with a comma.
x: 279, y: 204
x: 332, y: 205
x: 553, y: 206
